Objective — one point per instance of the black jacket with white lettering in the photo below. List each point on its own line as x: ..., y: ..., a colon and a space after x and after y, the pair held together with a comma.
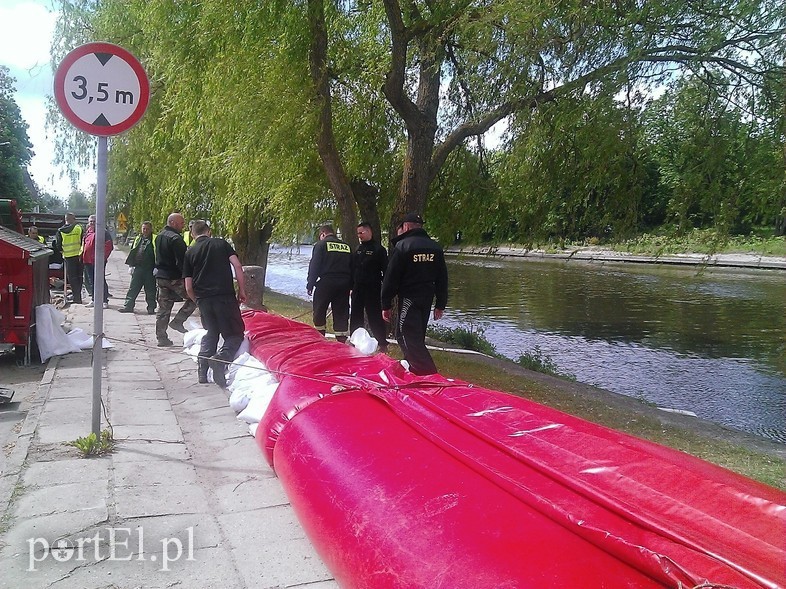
x: 330, y: 260
x: 416, y: 270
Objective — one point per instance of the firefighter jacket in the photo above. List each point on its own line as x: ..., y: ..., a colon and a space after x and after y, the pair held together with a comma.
x: 416, y: 270
x: 330, y: 260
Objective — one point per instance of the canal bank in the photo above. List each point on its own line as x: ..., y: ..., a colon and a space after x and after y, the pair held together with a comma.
x: 708, y: 340
x: 596, y: 254
x: 747, y: 454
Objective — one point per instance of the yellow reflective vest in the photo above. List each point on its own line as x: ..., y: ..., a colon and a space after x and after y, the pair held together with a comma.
x: 72, y: 242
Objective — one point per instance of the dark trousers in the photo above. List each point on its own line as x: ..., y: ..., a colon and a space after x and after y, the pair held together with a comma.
x: 413, y: 319
x: 142, y: 278
x: 336, y: 295
x: 169, y: 292
x: 366, y: 297
x: 221, y: 316
x: 90, y: 274
x: 73, y: 272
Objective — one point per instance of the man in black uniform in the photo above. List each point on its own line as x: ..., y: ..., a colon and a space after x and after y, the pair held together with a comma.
x: 330, y: 272
x: 170, y: 252
x: 208, y: 274
x: 371, y: 259
x: 417, y: 274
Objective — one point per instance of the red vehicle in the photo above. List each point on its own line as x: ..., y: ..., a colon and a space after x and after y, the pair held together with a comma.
x: 24, y: 284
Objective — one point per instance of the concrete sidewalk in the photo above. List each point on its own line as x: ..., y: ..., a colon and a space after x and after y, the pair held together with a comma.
x: 186, y: 499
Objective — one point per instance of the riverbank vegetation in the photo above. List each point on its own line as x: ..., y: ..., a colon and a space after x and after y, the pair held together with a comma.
x: 506, y: 122
x: 714, y: 444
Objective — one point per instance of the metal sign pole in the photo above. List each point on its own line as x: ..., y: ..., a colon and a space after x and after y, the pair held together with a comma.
x: 98, y: 284
x: 102, y: 90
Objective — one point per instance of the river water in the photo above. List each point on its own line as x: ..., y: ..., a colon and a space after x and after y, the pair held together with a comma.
x: 711, y: 341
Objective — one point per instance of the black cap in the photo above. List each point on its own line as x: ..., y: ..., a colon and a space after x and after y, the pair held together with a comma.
x: 414, y: 218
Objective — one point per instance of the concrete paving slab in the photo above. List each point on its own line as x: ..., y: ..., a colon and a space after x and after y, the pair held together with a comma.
x: 54, y: 432
x: 206, y: 567
x: 67, y: 471
x: 142, y: 501
x: 250, y: 494
x: 212, y: 432
x: 70, y: 410
x: 129, y: 474
x: 149, y: 432
x: 133, y: 416
x: 50, y: 527
x: 280, y: 564
x: 279, y: 526
x: 50, y: 499
x: 143, y: 450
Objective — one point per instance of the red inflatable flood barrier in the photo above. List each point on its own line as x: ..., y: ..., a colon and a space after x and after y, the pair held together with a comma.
x: 403, y: 482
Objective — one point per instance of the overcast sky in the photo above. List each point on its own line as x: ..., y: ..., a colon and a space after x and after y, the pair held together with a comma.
x: 25, y: 39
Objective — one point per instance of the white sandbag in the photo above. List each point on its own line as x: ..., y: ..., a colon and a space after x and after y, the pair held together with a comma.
x: 240, y: 398
x: 363, y: 342
x: 243, y: 349
x: 193, y: 323
x: 252, y: 429
x: 193, y: 337
x: 257, y: 404
x: 85, y: 341
x: 50, y: 336
x: 239, y: 361
x: 80, y: 338
x: 252, y: 370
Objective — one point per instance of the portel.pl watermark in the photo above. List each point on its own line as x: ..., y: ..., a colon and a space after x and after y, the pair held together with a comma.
x: 112, y: 544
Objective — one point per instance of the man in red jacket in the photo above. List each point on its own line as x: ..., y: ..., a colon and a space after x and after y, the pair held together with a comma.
x: 89, y: 259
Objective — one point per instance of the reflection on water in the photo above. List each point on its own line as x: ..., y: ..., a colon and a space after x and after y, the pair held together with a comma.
x: 710, y: 341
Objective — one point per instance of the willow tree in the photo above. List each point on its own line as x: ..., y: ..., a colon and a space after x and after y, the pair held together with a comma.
x: 458, y: 68
x: 277, y: 110
x: 218, y: 141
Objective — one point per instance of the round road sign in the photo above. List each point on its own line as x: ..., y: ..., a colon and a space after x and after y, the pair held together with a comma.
x: 101, y: 89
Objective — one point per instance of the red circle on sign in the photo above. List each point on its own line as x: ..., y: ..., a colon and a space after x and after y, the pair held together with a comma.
x: 87, y: 126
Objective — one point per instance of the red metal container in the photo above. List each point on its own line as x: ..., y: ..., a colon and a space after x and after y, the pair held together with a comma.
x: 24, y: 284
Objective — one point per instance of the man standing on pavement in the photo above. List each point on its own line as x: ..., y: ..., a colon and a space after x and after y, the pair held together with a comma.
x: 417, y: 274
x: 69, y: 241
x: 142, y: 259
x: 170, y: 253
x: 89, y: 259
x: 371, y: 259
x: 330, y: 273
x: 208, y: 279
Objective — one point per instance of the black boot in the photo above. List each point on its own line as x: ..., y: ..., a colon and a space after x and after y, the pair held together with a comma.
x: 202, y: 367
x: 219, y: 371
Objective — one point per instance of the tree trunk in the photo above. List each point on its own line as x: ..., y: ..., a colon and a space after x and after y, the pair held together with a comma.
x: 252, y: 242
x: 366, y: 197
x: 420, y: 116
x: 326, y: 145
x: 416, y: 180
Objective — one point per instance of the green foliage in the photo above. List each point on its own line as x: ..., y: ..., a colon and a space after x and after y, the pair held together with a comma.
x: 92, y: 445
x: 718, y: 165
x: 705, y: 241
x: 539, y: 362
x: 469, y: 339
x: 230, y: 131
x: 15, y: 147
